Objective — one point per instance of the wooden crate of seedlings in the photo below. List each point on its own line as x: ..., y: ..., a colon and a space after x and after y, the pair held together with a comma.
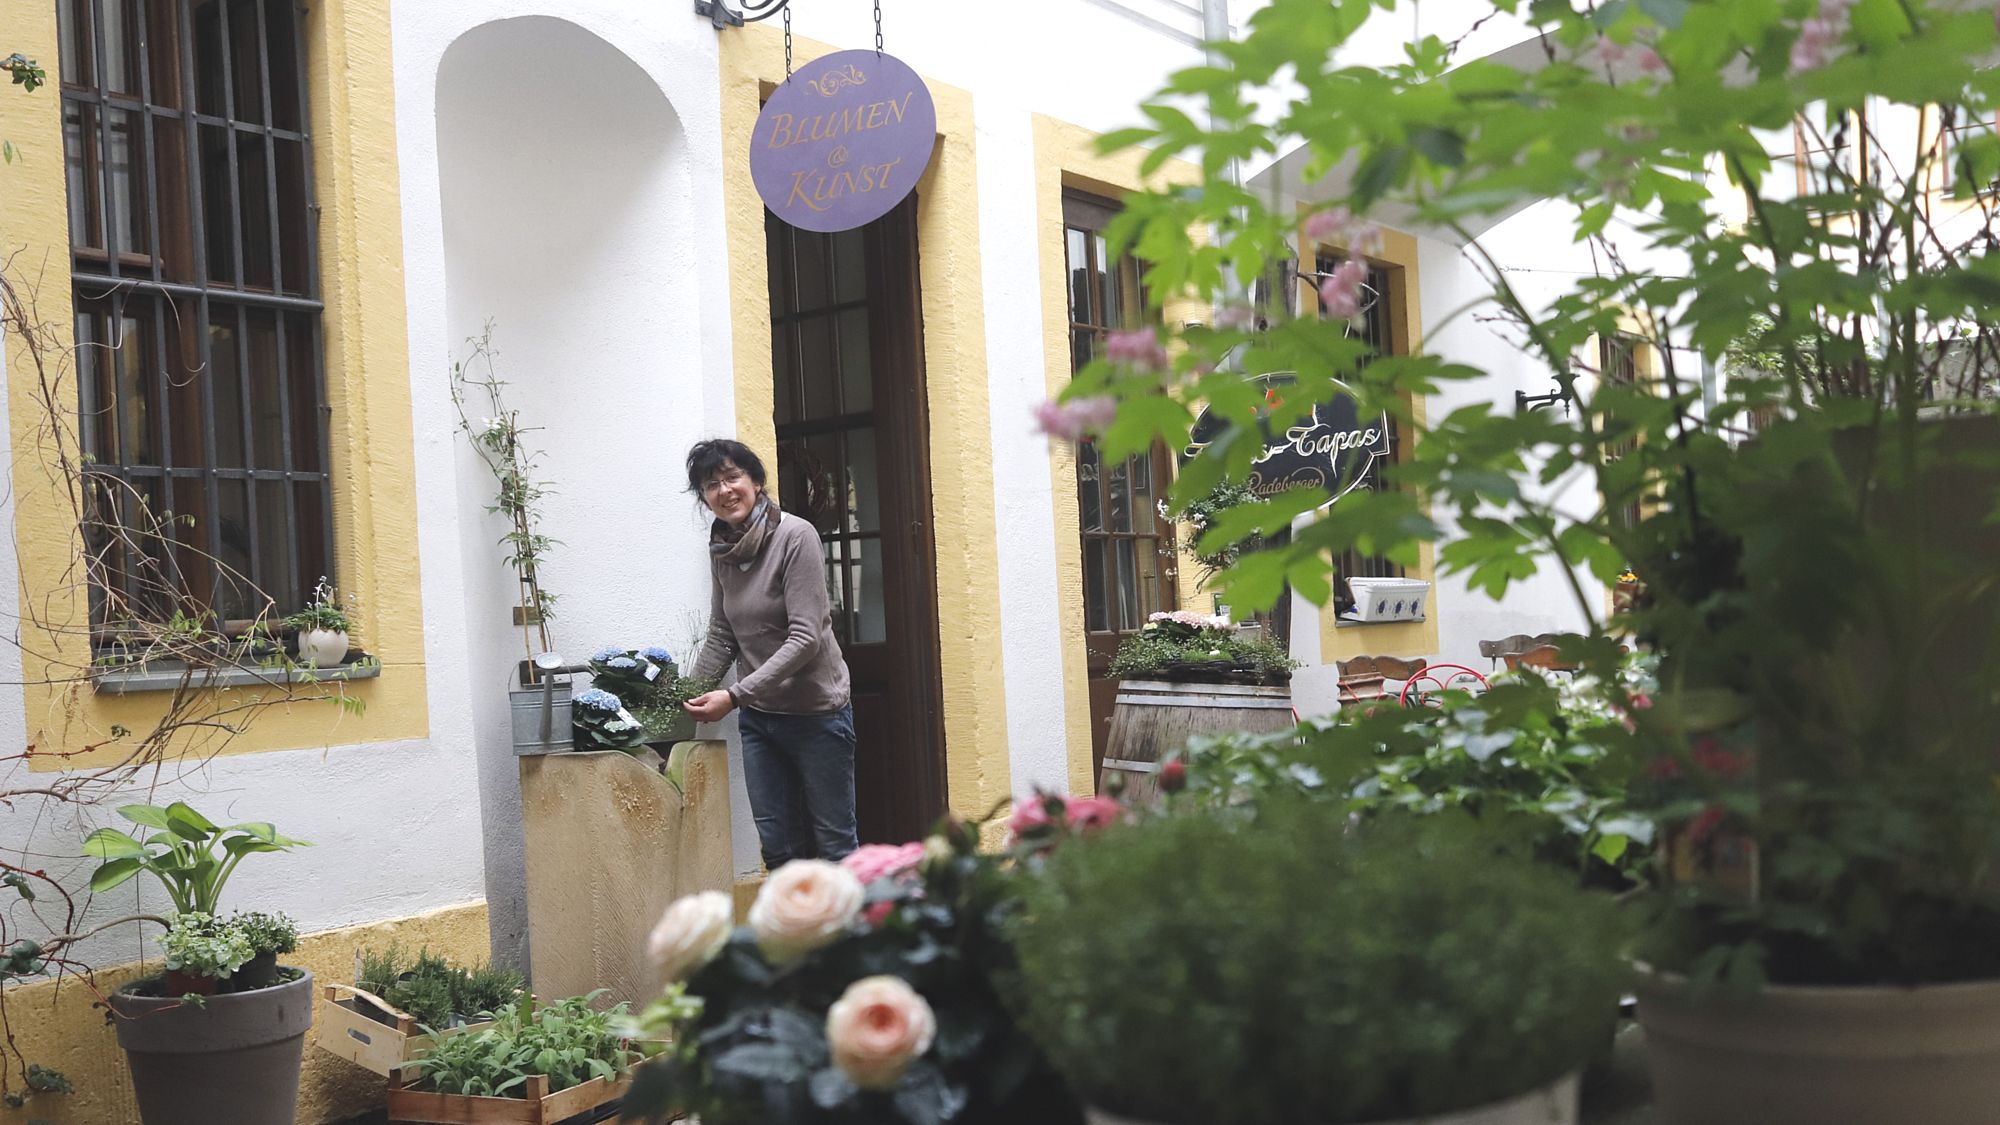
x: 536, y: 1064
x: 366, y: 1030
x: 539, y: 1107
x: 384, y: 1020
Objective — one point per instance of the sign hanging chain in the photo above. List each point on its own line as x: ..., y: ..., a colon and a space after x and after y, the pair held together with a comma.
x: 788, y: 41
x: 878, y: 26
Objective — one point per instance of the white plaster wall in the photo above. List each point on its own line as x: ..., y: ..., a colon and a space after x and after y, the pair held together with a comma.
x: 562, y: 176
x: 394, y: 828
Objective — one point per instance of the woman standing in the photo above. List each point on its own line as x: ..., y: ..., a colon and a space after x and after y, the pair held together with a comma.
x: 770, y: 612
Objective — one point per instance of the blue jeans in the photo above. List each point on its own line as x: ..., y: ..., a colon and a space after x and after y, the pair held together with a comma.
x: 799, y: 770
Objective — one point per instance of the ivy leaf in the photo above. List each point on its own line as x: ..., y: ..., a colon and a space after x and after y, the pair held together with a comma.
x: 19, y: 882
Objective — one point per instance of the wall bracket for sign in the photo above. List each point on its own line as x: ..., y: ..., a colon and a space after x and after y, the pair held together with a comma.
x: 722, y: 15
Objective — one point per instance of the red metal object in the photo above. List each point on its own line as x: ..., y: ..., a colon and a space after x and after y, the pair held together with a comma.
x: 1442, y: 677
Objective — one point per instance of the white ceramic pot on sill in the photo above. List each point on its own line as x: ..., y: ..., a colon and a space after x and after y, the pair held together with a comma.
x: 322, y: 648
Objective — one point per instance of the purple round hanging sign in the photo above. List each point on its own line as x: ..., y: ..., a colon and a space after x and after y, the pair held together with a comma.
x: 843, y: 141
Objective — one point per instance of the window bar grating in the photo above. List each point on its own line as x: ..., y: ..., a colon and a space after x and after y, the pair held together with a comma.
x: 143, y: 254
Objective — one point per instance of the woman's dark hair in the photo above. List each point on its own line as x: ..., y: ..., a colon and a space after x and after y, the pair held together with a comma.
x: 706, y: 458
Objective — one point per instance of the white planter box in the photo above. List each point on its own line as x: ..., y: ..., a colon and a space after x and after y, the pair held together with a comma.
x: 1387, y: 599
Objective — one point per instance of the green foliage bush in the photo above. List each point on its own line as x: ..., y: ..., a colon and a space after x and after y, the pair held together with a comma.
x: 1548, y: 759
x: 1222, y: 969
x: 568, y: 1041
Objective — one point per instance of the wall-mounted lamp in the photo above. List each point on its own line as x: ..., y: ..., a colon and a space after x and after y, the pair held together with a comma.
x: 1564, y: 393
x: 723, y: 16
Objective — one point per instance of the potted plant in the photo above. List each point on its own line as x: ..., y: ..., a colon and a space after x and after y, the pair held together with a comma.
x: 234, y: 1054
x: 322, y: 628
x: 601, y: 722
x: 867, y: 991
x: 269, y: 935
x: 202, y: 953
x: 561, y: 1059
x: 649, y: 685
x: 1203, y: 968
x: 1812, y: 529
x: 1185, y: 646
x: 398, y: 1009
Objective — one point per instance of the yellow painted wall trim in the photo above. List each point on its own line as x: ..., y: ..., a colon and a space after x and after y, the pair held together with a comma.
x: 58, y: 1026
x: 1399, y: 257
x: 977, y: 766
x: 1066, y: 156
x: 352, y: 110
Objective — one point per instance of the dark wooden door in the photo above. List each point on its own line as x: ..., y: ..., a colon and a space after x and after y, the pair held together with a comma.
x: 853, y: 457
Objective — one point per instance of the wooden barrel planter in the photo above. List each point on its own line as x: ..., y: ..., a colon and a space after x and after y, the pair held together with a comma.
x: 1156, y: 718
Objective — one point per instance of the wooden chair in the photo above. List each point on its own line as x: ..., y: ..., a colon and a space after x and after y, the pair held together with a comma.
x: 1515, y: 645
x: 1362, y: 678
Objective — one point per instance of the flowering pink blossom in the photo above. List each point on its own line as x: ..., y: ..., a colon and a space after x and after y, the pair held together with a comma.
x: 870, y: 862
x: 877, y: 913
x: 1327, y: 226
x: 1236, y: 317
x: 1819, y: 37
x: 1087, y: 814
x: 1341, y: 292
x: 1648, y: 60
x: 1139, y: 348
x: 1611, y: 51
x: 1340, y: 226
x: 1078, y: 417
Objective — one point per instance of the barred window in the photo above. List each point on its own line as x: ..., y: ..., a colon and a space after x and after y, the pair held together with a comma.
x: 1374, y: 329
x: 198, y: 316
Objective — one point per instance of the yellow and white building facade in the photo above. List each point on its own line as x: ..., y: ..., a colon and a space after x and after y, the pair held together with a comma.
x: 574, y: 178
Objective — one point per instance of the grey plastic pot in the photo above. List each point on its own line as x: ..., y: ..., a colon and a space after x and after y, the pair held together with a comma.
x: 233, y: 1059
x: 1553, y: 1104
x: 1824, y: 1056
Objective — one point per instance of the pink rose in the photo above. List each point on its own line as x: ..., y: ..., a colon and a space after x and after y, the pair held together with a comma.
x: 870, y: 862
x: 804, y: 905
x: 1029, y: 815
x: 876, y: 1028
x: 692, y: 931
x: 1087, y: 814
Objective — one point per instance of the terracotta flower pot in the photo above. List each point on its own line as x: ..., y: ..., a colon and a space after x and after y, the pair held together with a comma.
x: 1553, y: 1104
x: 235, y: 1058
x: 1824, y: 1056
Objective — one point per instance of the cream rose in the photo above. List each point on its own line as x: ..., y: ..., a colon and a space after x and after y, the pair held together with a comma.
x: 803, y: 905
x: 692, y: 931
x: 876, y: 1028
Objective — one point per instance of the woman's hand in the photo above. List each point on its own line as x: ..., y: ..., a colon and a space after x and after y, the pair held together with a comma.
x: 710, y: 708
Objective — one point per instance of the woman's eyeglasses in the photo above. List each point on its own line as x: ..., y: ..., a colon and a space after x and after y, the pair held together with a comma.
x: 728, y: 479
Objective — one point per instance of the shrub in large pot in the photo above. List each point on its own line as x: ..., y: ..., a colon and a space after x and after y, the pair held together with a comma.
x: 206, y: 1041
x: 1828, y: 949
x: 1217, y: 968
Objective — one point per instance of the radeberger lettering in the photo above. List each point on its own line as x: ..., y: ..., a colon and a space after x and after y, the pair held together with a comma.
x: 816, y: 189
x: 787, y: 130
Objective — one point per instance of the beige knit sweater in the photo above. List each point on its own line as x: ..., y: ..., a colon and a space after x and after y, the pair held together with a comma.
x: 772, y: 614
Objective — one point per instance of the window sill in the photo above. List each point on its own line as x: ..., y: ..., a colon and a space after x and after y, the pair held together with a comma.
x: 1351, y: 623
x: 167, y: 676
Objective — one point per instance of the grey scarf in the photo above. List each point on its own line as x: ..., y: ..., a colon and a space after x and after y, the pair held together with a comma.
x: 738, y: 545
